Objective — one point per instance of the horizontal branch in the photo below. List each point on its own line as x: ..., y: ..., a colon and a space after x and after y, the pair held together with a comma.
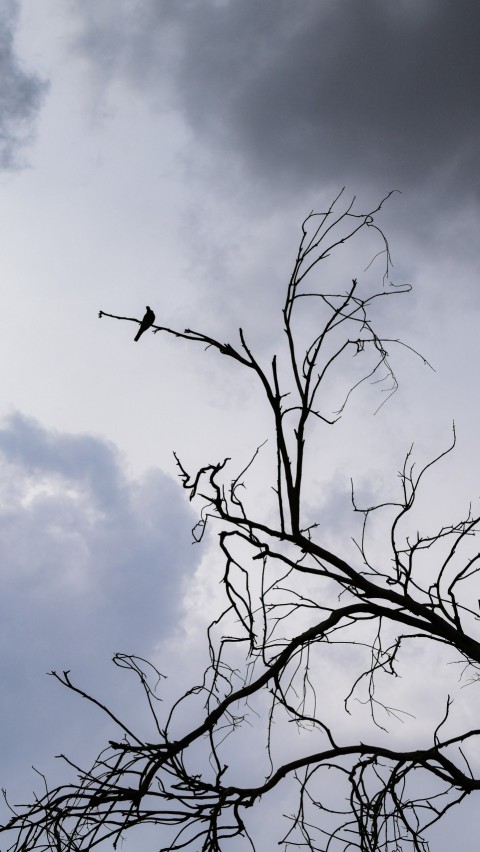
x: 188, y: 334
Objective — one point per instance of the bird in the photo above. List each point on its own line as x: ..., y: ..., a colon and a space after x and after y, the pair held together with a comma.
x: 146, y: 322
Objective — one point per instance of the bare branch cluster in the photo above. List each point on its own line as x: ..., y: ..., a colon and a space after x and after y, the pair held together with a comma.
x: 294, y: 609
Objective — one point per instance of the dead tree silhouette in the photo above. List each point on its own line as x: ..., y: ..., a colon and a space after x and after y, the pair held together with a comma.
x: 299, y: 617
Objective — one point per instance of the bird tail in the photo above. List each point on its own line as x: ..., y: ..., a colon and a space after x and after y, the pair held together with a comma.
x: 138, y: 335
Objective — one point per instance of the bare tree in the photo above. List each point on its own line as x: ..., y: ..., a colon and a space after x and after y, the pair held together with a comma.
x: 297, y: 613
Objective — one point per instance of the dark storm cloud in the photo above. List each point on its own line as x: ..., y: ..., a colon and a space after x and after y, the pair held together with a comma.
x: 379, y: 90
x: 21, y: 91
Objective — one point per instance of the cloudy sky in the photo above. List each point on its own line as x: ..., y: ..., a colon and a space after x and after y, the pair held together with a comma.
x: 165, y: 152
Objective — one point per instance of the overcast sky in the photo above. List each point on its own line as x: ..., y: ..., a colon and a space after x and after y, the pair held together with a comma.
x: 165, y: 152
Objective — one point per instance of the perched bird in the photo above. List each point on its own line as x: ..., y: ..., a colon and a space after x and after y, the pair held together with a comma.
x: 146, y: 322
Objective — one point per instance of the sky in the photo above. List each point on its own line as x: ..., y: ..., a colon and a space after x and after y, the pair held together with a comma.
x: 165, y: 152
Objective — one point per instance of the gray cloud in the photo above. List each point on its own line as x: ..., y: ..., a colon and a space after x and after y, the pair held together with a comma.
x: 21, y: 92
x: 375, y: 92
x: 91, y: 562
x: 80, y: 542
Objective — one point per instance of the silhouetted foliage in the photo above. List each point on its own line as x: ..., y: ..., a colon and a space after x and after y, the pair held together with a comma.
x: 297, y: 614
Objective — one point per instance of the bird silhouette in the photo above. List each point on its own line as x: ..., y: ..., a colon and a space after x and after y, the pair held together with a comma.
x: 146, y: 322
